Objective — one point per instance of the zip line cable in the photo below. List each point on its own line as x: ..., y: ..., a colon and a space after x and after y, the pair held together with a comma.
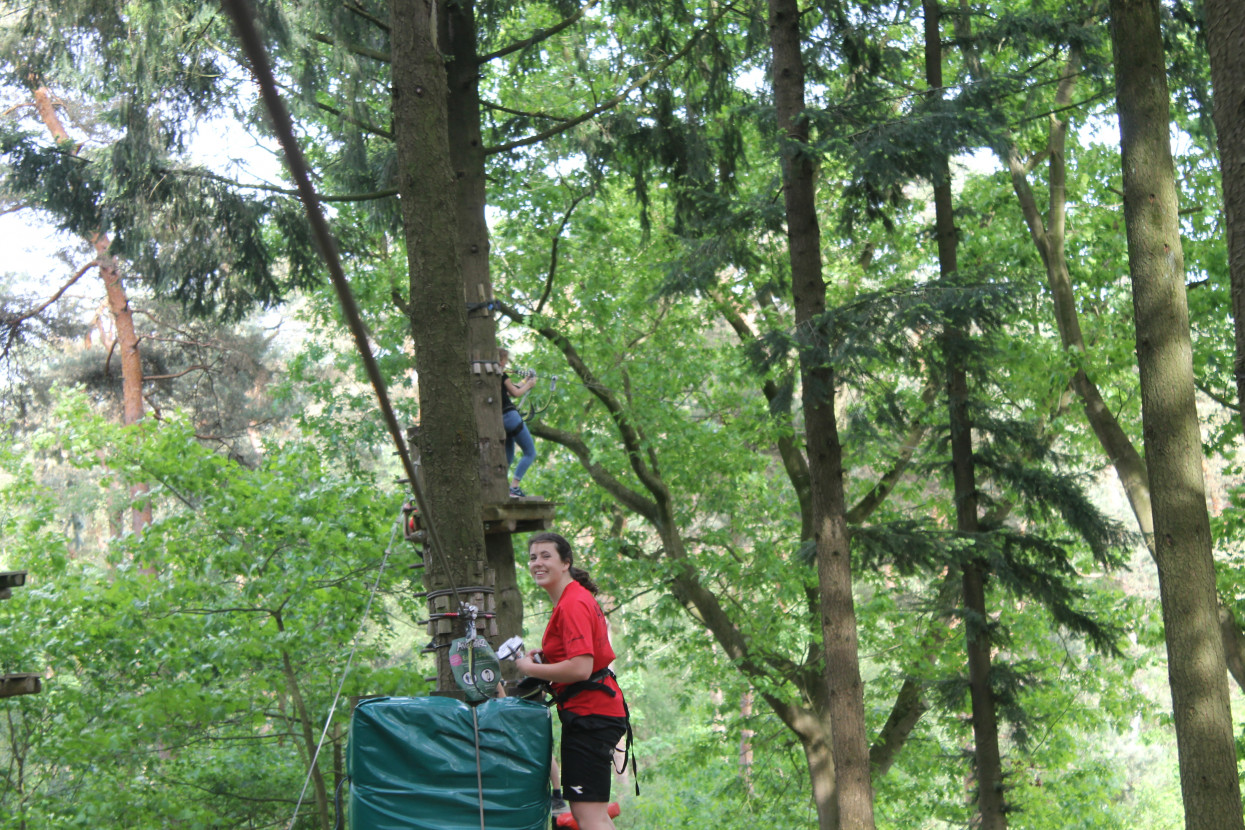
x: 354, y: 646
x: 257, y: 55
x: 243, y: 18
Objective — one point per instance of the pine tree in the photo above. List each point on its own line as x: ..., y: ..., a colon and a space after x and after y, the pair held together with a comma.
x: 817, y: 381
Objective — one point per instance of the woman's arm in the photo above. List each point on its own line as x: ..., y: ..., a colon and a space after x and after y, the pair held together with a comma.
x: 568, y: 671
x: 521, y: 389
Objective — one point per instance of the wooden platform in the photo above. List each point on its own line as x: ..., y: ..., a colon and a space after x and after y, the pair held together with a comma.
x: 12, y: 685
x: 526, y: 515
x: 10, y: 580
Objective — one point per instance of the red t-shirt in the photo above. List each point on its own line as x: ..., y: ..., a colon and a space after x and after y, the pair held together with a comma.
x: 577, y: 627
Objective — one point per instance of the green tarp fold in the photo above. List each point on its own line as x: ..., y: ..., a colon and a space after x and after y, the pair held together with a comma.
x: 412, y: 764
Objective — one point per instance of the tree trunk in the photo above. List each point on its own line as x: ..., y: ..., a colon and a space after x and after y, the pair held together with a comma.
x: 118, y: 304
x: 448, y: 446
x: 989, y: 764
x: 1182, y: 544
x: 818, y: 748
x: 309, y: 737
x: 834, y: 572
x: 1225, y: 39
x: 467, y: 161
x: 745, y: 743
x: 1049, y: 239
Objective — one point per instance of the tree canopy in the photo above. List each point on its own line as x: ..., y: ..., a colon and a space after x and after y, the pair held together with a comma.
x: 927, y: 368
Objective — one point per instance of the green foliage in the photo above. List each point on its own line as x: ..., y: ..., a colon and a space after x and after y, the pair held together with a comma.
x: 651, y: 240
x: 166, y: 658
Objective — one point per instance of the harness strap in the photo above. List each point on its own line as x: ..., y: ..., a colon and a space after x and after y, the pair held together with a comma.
x: 592, y: 684
x: 595, y: 683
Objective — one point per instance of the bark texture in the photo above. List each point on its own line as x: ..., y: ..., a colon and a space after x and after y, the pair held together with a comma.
x: 470, y: 195
x: 991, y: 806
x: 1225, y: 41
x: 825, y: 462
x: 118, y: 305
x: 1182, y: 544
x: 448, y: 446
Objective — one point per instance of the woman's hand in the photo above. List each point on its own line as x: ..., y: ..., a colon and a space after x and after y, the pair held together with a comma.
x: 525, y: 664
x: 535, y: 657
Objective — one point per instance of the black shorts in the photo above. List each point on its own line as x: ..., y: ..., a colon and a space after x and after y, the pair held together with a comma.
x: 589, y: 743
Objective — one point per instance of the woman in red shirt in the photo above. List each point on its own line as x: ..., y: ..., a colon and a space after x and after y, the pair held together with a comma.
x: 574, y: 659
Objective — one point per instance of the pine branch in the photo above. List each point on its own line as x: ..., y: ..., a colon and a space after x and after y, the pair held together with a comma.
x: 1084, y: 102
x: 196, y: 368
x: 614, y: 101
x: 349, y: 119
x: 355, y: 8
x: 354, y: 48
x: 12, y: 326
x: 521, y: 113
x: 281, y: 191
x: 540, y: 34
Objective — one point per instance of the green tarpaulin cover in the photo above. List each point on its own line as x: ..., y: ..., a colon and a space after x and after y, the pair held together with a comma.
x: 412, y: 764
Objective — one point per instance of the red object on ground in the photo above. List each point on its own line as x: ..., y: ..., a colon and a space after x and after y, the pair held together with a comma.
x: 568, y: 820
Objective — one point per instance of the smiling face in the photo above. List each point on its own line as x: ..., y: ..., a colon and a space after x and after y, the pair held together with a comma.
x: 547, y: 567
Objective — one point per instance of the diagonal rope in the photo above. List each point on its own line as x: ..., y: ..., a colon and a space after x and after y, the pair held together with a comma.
x: 243, y: 17
x: 257, y: 55
x: 244, y: 23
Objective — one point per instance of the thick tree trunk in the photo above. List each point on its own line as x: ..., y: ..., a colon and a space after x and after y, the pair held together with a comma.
x: 1049, y: 238
x: 1182, y: 543
x: 991, y: 805
x: 834, y: 572
x: 1225, y: 41
x: 448, y: 446
x: 467, y: 161
x: 1225, y: 37
x: 119, y: 305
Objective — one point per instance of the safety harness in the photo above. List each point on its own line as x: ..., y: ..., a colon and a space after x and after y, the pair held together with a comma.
x: 596, y: 683
x: 540, y: 691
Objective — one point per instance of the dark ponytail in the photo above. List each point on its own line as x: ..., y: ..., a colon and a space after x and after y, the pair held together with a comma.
x: 581, y: 576
x: 566, y: 555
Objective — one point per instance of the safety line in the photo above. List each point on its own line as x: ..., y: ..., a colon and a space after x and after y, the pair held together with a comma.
x: 475, y: 723
x: 243, y: 15
x: 257, y: 54
x: 346, y: 671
